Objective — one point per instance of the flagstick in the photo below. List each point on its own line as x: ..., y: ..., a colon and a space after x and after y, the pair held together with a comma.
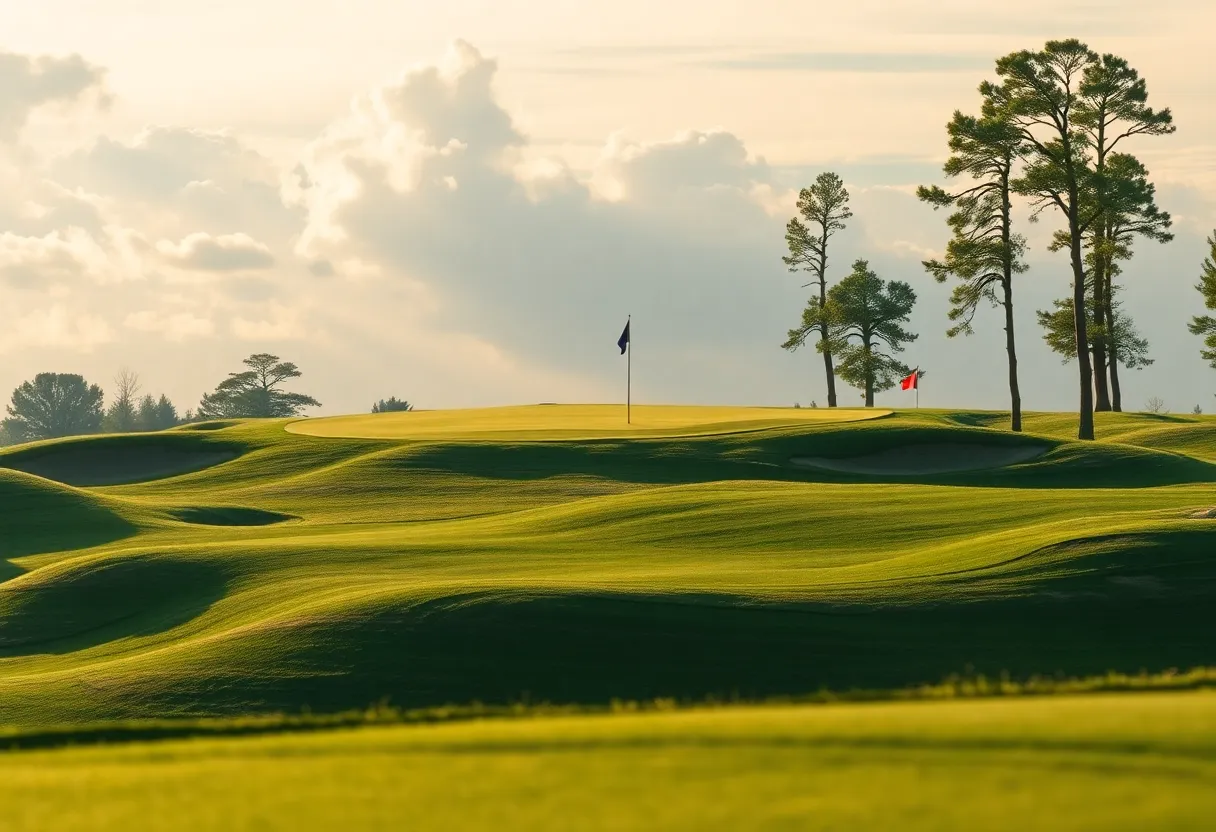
x: 629, y: 372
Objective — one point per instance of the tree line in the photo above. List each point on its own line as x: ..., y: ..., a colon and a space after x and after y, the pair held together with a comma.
x: 53, y: 405
x: 1050, y: 131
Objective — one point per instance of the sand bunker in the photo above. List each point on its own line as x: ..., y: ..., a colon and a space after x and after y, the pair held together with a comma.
x: 1205, y: 514
x: 84, y: 465
x: 926, y: 459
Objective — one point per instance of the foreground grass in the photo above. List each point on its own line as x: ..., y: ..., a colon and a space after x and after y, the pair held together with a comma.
x: 1144, y: 761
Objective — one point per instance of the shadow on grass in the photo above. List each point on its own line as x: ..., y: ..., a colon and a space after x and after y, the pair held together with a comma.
x: 228, y: 516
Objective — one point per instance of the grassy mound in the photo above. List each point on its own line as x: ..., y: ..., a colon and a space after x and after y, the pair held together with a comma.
x: 41, y: 516
x: 112, y: 460
x: 77, y: 604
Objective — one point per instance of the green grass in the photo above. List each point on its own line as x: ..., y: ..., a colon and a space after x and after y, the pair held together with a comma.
x: 543, y: 555
x: 1097, y: 762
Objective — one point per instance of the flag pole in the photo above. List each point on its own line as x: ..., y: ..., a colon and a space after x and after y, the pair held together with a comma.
x: 629, y: 372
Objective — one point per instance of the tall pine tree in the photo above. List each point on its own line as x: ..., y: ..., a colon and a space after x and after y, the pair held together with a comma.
x: 983, y: 252
x: 823, y: 207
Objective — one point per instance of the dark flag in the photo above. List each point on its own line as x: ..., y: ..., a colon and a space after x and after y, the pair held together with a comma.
x: 623, y: 342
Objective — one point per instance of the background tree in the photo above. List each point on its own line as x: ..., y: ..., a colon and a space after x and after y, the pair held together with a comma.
x: 156, y: 414
x: 1119, y: 333
x: 122, y: 416
x: 1130, y: 210
x: 53, y: 405
x: 1113, y: 107
x: 865, y: 317
x: 824, y: 207
x: 1205, y: 325
x: 255, y: 393
x: 983, y: 253
x: 1049, y: 95
x: 391, y: 405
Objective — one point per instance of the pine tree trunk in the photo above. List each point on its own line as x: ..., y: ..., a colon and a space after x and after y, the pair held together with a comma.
x: 831, y: 374
x: 1115, y: 391
x: 1015, y: 394
x: 1085, y: 410
x: 1101, y: 392
x: 823, y: 330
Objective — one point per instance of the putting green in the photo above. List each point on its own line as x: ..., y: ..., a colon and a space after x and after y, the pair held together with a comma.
x: 570, y: 421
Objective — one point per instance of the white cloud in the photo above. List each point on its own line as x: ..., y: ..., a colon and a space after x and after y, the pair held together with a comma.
x: 225, y: 253
x: 58, y: 257
x: 32, y: 82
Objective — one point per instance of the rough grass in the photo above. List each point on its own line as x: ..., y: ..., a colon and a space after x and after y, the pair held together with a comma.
x: 429, y: 569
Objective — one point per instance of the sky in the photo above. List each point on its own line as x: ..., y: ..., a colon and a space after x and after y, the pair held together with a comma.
x: 459, y: 204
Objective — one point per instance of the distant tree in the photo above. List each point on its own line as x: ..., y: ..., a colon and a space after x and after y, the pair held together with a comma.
x: 156, y: 414
x: 824, y: 206
x: 1198, y: 411
x: 1130, y: 210
x: 5, y: 439
x: 1124, y: 343
x: 1071, y: 106
x: 983, y: 253
x: 255, y: 393
x: 865, y: 317
x: 1205, y: 325
x: 122, y: 416
x: 1154, y: 405
x: 1113, y: 106
x: 391, y: 405
x: 52, y: 405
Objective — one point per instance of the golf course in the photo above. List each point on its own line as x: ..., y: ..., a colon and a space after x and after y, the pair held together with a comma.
x: 542, y: 617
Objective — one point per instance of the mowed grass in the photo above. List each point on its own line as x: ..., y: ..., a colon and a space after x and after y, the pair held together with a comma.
x: 523, y: 555
x: 1090, y: 762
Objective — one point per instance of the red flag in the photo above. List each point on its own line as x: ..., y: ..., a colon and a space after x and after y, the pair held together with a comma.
x: 910, y: 383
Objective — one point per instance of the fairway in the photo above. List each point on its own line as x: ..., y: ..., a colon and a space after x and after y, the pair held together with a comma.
x: 566, y: 421
x: 533, y: 555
